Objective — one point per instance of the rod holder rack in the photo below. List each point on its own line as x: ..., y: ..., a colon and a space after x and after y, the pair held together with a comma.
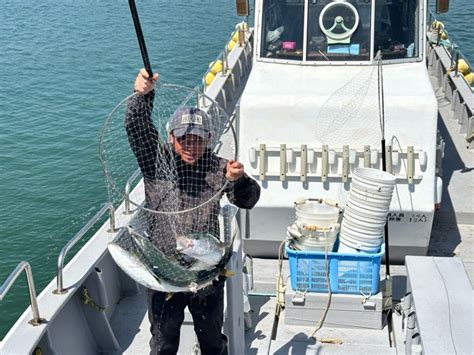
x: 62, y: 255
x: 290, y: 162
x: 24, y: 265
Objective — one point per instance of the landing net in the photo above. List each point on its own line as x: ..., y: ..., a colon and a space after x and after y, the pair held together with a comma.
x: 179, y: 142
x: 351, y: 113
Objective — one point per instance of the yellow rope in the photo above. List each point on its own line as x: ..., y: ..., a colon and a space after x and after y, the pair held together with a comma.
x: 88, y: 300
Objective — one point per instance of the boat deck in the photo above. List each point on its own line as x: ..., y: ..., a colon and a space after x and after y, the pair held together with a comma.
x: 131, y: 326
x: 452, y: 235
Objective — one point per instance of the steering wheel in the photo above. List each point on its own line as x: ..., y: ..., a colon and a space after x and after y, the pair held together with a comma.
x: 338, y: 21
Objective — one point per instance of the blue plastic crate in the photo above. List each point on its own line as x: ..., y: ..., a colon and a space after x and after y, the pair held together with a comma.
x: 348, y: 273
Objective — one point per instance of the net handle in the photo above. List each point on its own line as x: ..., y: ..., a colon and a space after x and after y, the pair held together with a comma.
x: 141, y: 39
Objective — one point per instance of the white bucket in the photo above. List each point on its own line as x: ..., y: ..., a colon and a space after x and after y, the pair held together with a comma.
x: 366, y: 211
x: 371, y: 204
x: 373, y: 201
x: 378, y: 187
x: 373, y: 190
x: 359, y: 246
x: 309, y: 230
x: 368, y: 243
x: 344, y: 249
x: 314, y: 244
x: 383, y: 196
x: 317, y: 214
x: 313, y: 240
x: 375, y: 175
x: 362, y: 211
x: 364, y: 217
x: 359, y: 204
x: 371, y: 234
x: 362, y: 224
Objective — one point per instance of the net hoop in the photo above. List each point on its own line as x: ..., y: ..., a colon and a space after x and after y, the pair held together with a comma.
x: 209, y: 102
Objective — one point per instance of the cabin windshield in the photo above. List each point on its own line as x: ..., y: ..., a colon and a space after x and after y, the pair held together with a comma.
x: 396, y: 28
x: 339, y: 30
x: 283, y: 27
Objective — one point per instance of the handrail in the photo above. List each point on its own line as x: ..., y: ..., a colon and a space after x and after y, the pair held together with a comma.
x: 453, y: 47
x: 130, y: 180
x: 461, y: 99
x: 24, y: 265
x: 77, y: 237
x: 242, y: 29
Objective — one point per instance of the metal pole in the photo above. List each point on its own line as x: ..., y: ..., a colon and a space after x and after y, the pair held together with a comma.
x: 387, y: 250
x: 128, y: 186
x: 37, y: 320
x: 241, y: 36
x: 388, y: 279
x: 456, y: 64
x: 224, y: 61
x: 384, y: 157
x: 62, y: 255
x: 111, y: 209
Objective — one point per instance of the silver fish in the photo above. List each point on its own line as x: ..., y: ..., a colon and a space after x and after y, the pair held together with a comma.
x: 133, y: 263
x: 134, y: 268
x: 205, y: 248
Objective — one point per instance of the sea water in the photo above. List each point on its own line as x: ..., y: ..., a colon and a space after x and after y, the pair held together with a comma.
x: 64, y: 65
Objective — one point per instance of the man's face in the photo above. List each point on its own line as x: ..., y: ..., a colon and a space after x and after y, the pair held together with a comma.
x: 189, y: 147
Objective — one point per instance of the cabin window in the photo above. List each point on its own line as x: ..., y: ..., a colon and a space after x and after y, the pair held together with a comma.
x: 396, y: 28
x: 339, y: 30
x: 283, y: 24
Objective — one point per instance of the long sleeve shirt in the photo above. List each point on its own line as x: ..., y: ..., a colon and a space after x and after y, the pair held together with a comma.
x: 173, y: 186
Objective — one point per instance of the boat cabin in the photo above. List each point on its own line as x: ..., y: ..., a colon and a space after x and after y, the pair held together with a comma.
x: 353, y: 31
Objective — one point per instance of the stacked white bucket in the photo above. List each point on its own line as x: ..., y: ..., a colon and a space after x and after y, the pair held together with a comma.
x: 364, y: 218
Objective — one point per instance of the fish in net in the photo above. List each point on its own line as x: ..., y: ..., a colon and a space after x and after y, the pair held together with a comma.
x: 181, y: 142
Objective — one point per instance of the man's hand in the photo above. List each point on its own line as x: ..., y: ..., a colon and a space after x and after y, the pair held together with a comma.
x: 143, y: 83
x: 234, y: 170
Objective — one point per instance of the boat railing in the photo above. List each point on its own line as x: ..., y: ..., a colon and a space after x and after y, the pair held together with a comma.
x: 447, y: 41
x: 455, y: 75
x: 225, y: 78
x: 223, y: 56
x: 128, y: 187
x: 24, y: 265
x: 62, y: 255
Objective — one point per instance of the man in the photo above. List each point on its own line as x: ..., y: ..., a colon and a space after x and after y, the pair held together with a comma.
x: 199, y: 175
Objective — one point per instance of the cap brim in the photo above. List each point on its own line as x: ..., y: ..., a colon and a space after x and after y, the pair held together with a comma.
x: 179, y: 132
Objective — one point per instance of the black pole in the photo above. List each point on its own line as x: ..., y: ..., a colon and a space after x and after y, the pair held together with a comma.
x: 387, y: 254
x: 141, y: 39
x: 384, y: 168
x: 384, y: 158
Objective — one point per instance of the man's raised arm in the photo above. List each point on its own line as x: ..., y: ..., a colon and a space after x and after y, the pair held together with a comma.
x: 142, y: 134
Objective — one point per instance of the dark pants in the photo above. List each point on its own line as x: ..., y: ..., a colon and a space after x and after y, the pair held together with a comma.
x: 166, y: 317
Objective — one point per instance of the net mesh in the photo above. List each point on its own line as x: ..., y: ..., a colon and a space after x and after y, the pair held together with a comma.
x: 351, y: 113
x: 180, y: 142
